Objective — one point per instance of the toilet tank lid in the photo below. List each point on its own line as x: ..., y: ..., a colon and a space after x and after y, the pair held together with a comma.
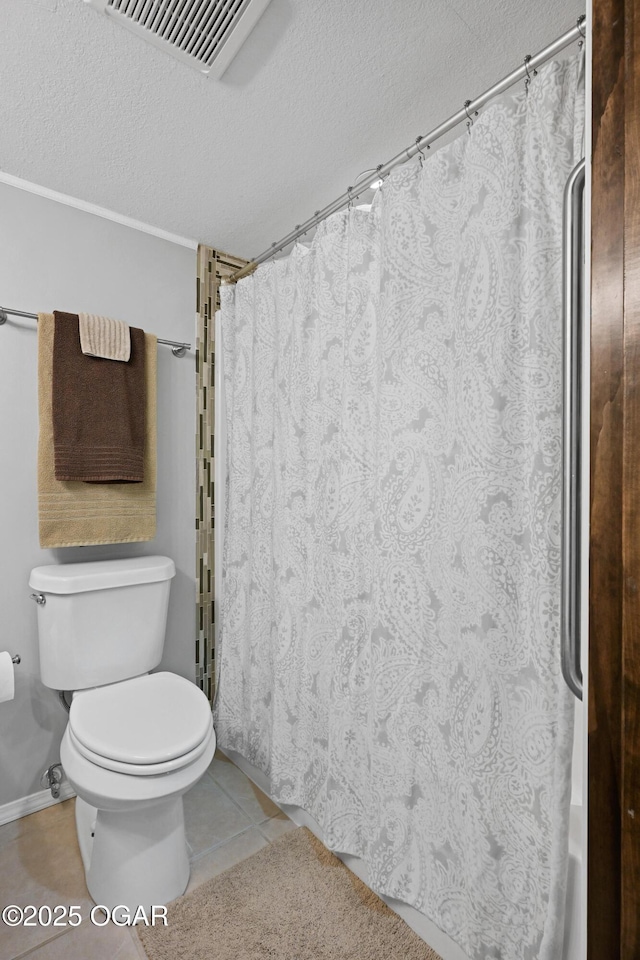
x: 100, y: 574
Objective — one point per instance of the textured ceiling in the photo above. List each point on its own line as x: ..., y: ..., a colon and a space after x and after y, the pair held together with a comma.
x: 321, y: 90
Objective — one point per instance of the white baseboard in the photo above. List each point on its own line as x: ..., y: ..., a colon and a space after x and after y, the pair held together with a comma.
x: 35, y: 801
x: 425, y: 928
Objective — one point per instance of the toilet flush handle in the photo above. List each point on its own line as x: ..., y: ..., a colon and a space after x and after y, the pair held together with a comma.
x: 39, y: 598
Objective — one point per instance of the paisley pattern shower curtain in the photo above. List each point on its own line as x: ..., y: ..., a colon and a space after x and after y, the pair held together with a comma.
x: 389, y: 651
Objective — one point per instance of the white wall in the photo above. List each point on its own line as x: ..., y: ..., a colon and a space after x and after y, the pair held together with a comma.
x: 53, y: 256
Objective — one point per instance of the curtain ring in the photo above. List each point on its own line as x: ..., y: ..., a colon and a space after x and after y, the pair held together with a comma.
x: 350, y: 203
x: 467, y: 104
x: 422, y: 156
x: 580, y: 23
x: 382, y: 179
x: 529, y: 76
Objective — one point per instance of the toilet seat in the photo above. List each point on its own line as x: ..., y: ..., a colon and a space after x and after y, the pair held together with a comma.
x: 139, y: 769
x: 144, y: 726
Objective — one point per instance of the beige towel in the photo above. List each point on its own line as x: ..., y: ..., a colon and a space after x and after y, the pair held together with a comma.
x: 73, y: 513
x: 104, y: 337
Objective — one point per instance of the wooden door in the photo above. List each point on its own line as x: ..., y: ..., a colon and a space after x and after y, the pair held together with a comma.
x: 614, y: 599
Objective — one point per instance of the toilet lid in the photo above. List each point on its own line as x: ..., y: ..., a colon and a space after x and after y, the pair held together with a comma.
x: 146, y: 720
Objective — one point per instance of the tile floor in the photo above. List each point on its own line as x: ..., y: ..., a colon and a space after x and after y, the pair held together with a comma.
x: 227, y: 819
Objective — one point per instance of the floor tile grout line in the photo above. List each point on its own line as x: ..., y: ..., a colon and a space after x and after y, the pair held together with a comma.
x: 42, y: 943
x: 263, y: 834
x: 35, y: 813
x: 226, y: 792
x: 235, y: 802
x: 252, y: 823
x: 249, y: 781
x: 137, y: 943
x: 221, y: 843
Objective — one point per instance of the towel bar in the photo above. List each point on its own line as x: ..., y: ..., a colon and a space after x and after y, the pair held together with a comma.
x: 177, y: 349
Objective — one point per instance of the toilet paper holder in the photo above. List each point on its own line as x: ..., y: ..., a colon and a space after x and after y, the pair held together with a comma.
x: 15, y: 659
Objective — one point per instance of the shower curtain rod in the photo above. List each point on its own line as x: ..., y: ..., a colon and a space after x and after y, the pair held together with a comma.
x: 177, y: 349
x: 470, y: 108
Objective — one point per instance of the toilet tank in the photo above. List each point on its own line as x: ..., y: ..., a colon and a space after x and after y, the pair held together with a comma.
x: 101, y: 622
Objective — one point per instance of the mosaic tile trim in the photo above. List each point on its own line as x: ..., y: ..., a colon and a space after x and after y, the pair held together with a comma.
x: 213, y: 267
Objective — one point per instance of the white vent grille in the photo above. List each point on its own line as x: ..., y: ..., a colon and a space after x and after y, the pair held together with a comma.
x: 206, y: 34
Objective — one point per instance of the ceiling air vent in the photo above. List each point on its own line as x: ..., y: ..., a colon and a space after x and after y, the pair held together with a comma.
x: 206, y: 34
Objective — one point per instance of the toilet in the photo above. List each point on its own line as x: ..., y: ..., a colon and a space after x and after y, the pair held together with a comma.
x: 135, y: 741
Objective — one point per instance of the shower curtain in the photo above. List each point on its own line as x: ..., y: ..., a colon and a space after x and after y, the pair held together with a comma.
x: 389, y: 648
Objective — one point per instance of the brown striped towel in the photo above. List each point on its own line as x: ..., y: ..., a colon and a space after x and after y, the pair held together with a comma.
x: 98, y: 409
x: 73, y: 513
x: 104, y: 337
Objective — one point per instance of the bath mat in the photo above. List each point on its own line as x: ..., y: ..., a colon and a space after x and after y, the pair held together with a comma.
x: 293, y: 900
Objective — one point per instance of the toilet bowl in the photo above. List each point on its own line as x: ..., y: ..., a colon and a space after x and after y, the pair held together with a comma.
x: 130, y: 751
x: 136, y: 741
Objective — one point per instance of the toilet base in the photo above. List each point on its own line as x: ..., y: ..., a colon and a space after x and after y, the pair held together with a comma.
x: 138, y: 854
x: 137, y: 857
x: 85, y: 828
